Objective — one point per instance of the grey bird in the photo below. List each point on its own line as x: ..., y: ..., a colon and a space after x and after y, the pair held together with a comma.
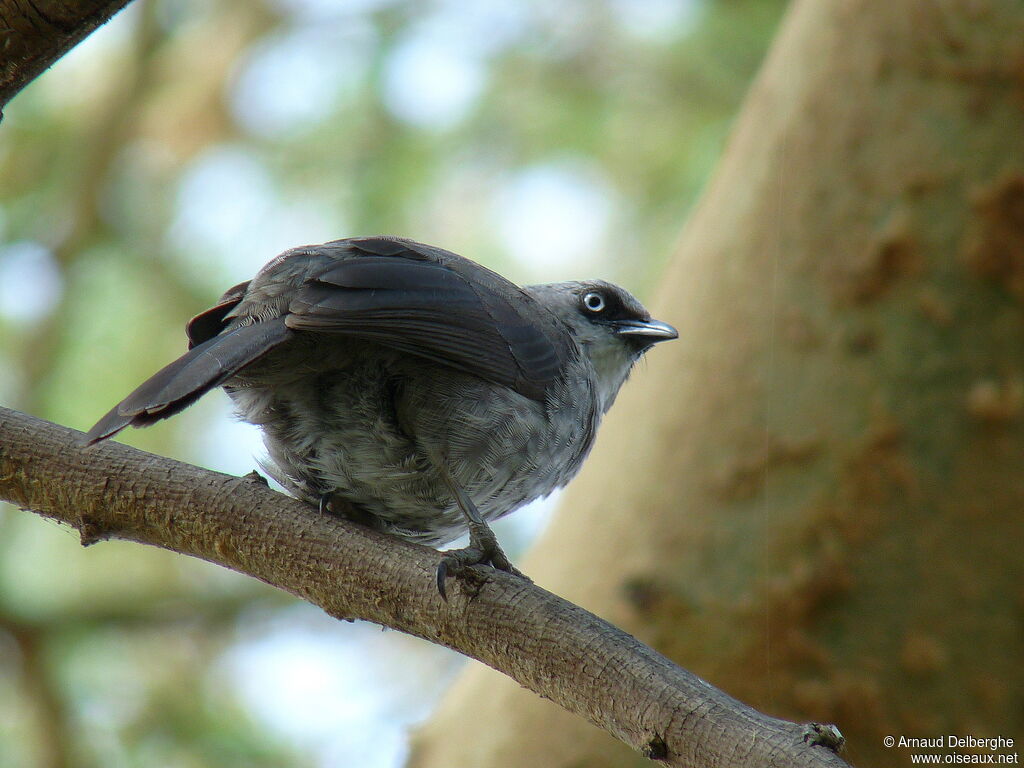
x: 407, y: 387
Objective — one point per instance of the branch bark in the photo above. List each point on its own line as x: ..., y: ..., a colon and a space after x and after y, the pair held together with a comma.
x: 548, y: 645
x: 35, y: 33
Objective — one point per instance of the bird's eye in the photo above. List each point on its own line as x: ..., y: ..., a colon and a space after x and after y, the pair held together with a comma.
x: 594, y: 302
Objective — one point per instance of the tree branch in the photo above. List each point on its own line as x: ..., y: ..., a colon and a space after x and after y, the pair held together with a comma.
x: 35, y: 33
x: 553, y: 647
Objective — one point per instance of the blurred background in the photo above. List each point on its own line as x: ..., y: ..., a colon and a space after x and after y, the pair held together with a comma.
x: 170, y: 156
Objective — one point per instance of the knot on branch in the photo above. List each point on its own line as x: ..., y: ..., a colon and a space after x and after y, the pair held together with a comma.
x: 655, y: 749
x: 91, y: 532
x: 824, y: 735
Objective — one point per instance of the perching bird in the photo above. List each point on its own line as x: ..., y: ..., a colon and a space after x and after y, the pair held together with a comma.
x: 407, y: 387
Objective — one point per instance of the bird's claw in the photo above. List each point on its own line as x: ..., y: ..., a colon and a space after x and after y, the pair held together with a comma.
x: 442, y: 576
x: 459, y: 562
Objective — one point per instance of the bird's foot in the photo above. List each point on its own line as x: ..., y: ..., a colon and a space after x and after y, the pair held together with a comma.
x: 483, y: 549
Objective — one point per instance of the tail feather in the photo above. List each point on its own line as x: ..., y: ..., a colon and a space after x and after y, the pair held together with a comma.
x: 178, y: 385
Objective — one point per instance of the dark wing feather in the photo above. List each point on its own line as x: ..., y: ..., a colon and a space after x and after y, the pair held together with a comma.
x: 208, y: 324
x: 445, y: 309
x: 177, y: 386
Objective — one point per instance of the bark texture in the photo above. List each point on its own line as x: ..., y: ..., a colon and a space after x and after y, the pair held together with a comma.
x: 814, y: 497
x: 555, y: 648
x: 35, y: 33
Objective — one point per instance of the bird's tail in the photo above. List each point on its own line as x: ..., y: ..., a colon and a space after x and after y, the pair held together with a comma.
x: 205, y: 366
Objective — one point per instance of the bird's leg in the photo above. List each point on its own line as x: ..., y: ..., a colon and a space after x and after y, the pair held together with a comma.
x: 483, y: 546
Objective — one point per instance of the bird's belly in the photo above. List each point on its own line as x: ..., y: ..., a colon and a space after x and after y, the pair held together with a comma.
x: 385, y: 443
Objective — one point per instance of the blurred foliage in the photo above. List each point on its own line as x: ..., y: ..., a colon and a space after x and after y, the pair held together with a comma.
x: 186, y: 143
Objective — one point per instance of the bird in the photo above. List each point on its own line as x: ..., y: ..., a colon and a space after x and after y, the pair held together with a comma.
x: 406, y: 387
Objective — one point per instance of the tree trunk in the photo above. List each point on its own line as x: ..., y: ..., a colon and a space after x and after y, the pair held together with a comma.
x: 830, y: 522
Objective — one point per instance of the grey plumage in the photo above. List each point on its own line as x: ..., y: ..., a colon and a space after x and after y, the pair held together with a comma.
x: 390, y: 378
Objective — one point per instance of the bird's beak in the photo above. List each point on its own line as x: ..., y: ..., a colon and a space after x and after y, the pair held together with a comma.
x: 649, y: 331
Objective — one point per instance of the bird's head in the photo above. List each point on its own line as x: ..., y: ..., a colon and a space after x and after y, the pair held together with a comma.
x: 611, y: 327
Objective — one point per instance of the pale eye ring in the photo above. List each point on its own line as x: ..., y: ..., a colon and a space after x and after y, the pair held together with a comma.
x: 593, y: 302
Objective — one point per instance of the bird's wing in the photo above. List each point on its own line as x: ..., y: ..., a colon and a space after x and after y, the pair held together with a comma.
x: 177, y: 386
x: 437, y: 306
x: 411, y: 297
